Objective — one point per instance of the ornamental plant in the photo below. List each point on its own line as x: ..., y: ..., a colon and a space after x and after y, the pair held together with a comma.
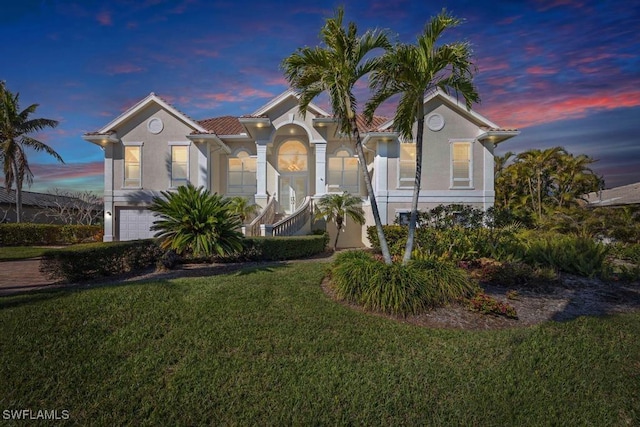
x: 194, y: 221
x: 486, y: 304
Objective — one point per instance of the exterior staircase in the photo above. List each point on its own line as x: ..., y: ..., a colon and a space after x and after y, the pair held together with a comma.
x: 271, y: 223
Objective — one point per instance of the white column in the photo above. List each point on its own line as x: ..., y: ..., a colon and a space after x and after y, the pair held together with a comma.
x: 488, y: 177
x: 321, y: 168
x: 109, y: 212
x: 203, y: 165
x: 261, y: 173
x: 380, y: 173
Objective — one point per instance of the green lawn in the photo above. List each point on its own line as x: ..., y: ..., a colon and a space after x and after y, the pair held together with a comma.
x: 267, y: 347
x: 8, y: 253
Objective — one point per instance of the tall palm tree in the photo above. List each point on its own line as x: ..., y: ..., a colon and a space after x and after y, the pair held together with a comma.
x: 338, y: 207
x: 335, y: 68
x: 412, y: 71
x: 15, y: 125
x: 538, y: 166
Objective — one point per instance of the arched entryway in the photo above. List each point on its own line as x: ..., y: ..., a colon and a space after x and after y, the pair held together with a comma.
x: 293, y: 169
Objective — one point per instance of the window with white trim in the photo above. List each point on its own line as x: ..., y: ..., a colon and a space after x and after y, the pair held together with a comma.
x: 407, y: 169
x: 241, y: 174
x: 343, y: 172
x: 179, y: 165
x: 133, y: 166
x: 461, y: 165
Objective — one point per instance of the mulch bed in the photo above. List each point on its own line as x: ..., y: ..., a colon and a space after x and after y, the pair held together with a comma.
x: 573, y: 298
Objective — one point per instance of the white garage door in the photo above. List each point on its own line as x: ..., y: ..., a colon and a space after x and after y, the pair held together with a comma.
x: 136, y: 224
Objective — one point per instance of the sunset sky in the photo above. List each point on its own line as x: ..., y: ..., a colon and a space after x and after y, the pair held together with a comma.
x: 564, y: 72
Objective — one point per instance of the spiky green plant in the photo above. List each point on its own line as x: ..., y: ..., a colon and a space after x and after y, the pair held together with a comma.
x: 196, y: 221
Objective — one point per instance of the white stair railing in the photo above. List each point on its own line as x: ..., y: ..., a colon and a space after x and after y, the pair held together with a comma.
x: 294, y: 222
x: 267, y: 216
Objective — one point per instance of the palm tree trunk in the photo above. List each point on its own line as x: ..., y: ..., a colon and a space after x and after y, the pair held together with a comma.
x: 413, y: 219
x: 372, y: 197
x: 338, y: 228
x: 18, y: 181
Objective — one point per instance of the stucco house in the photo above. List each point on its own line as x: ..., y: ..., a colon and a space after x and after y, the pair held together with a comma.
x: 283, y: 162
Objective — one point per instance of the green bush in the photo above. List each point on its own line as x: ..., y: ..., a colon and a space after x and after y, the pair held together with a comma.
x: 360, y: 278
x: 279, y: 248
x: 626, y: 252
x: 511, y: 273
x: 571, y: 254
x: 30, y: 234
x: 456, y: 243
x: 87, y: 261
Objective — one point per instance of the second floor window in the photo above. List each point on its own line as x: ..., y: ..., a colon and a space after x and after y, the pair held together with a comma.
x: 407, y: 164
x: 179, y: 165
x: 343, y: 172
x: 132, y: 166
x: 461, y: 165
x: 241, y: 178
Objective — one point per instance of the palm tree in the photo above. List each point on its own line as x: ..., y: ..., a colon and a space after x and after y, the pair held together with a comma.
x: 335, y: 68
x: 15, y: 125
x: 194, y: 220
x: 412, y: 71
x: 243, y: 208
x: 338, y: 207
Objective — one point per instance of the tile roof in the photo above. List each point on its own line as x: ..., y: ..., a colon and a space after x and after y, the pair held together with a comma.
x: 230, y: 125
x: 32, y: 199
x: 225, y: 125
x: 618, y: 196
x: 375, y: 124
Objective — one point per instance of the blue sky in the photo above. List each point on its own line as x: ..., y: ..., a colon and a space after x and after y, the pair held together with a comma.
x: 564, y: 72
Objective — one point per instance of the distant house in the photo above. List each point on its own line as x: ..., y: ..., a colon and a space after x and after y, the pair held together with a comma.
x: 40, y: 207
x: 284, y: 161
x: 626, y: 195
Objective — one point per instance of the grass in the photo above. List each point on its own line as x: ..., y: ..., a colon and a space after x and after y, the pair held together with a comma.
x: 12, y: 253
x: 267, y: 347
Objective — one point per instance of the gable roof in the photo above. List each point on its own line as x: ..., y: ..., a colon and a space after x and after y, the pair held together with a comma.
x: 151, y: 98
x: 454, y: 103
x: 618, y: 196
x: 289, y: 93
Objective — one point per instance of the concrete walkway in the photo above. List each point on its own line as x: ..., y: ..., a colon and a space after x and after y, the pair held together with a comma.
x: 22, y: 275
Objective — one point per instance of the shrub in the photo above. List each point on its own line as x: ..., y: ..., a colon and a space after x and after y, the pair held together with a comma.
x: 29, y: 234
x: 279, y: 248
x: 486, y: 304
x: 192, y: 220
x: 511, y: 273
x: 92, y: 260
x: 571, y: 254
x: 398, y: 289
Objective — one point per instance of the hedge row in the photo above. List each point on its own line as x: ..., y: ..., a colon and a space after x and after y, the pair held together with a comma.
x: 88, y: 261
x: 29, y: 234
x: 281, y: 248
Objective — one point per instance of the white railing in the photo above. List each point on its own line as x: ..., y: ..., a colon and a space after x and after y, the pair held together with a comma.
x: 294, y: 222
x: 267, y: 216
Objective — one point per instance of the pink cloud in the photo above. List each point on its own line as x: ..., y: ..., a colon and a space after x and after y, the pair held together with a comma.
x: 538, y: 70
x: 104, y: 18
x: 125, y: 68
x: 206, y: 53
x: 58, y: 171
x: 544, y: 5
x: 546, y: 109
x: 509, y: 20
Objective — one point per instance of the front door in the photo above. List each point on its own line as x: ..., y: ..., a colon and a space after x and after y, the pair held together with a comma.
x: 293, y: 190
